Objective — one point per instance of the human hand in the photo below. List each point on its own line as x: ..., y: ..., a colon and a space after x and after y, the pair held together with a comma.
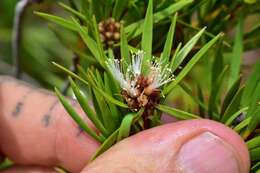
x: 37, y: 134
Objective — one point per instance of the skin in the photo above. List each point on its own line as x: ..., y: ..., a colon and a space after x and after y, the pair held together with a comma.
x: 37, y: 134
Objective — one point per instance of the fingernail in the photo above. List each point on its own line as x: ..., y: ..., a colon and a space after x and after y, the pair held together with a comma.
x: 207, y: 153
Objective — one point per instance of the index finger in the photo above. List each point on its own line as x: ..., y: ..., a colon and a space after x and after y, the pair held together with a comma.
x: 36, y: 130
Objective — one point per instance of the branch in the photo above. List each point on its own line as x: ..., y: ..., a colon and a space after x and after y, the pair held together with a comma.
x: 20, y: 8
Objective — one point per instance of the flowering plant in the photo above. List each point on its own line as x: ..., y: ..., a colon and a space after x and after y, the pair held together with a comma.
x: 129, y: 95
x: 128, y: 84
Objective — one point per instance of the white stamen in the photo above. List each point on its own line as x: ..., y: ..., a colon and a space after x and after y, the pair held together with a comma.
x: 158, y: 74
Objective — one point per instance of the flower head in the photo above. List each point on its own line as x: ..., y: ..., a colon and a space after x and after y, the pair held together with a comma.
x: 138, y: 89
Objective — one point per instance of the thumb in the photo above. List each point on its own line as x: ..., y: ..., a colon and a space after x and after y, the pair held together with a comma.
x: 197, y: 146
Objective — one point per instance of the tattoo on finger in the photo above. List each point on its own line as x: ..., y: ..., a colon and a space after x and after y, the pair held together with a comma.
x: 46, y: 119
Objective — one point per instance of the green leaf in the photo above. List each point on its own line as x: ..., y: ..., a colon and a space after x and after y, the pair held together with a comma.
x: 125, y: 127
x: 230, y: 94
x: 253, y: 32
x: 107, y: 96
x: 250, y: 1
x: 256, y: 167
x: 147, y: 36
x: 198, y: 29
x: 253, y: 143
x: 235, y: 115
x: 233, y: 105
x: 201, y: 102
x: 114, y: 111
x: 195, y: 99
x: 90, y: 43
x: 70, y: 73
x: 74, y: 115
x: 179, y: 114
x: 6, y: 164
x: 87, y: 109
x: 186, y: 49
x: 119, y: 8
x: 254, y: 111
x: 125, y: 56
x: 111, y: 140
x: 136, y: 28
x: 217, y: 65
x: 73, y: 11
x: 68, y: 24
x: 254, y: 154
x: 214, y: 97
x: 97, y: 38
x: 242, y: 125
x: 190, y: 64
x: 103, y: 110
x: 237, y: 53
x: 175, y: 54
x: 169, y: 40
x: 251, y: 85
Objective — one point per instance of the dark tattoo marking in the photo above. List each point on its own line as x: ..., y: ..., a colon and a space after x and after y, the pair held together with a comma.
x: 18, y: 108
x: 20, y: 104
x: 46, y: 119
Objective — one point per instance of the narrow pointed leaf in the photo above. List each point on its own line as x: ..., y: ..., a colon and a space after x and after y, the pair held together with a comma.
x: 136, y: 28
x: 251, y: 85
x: 254, y: 111
x: 233, y: 105
x: 190, y: 94
x: 235, y: 115
x: 97, y: 38
x: 111, y: 140
x: 90, y: 43
x: 107, y: 96
x: 175, y: 54
x: 73, y: 11
x: 74, y: 115
x: 169, y: 40
x: 230, y: 94
x: 190, y: 64
x: 87, y: 109
x: 125, y: 127
x: 254, y: 154
x: 179, y: 114
x: 147, y: 36
x: 186, y: 49
x: 256, y: 167
x: 237, y: 53
x: 125, y: 56
x: 215, y: 93
x: 70, y: 73
x: 119, y: 8
x: 253, y: 143
x: 68, y: 24
x: 242, y: 125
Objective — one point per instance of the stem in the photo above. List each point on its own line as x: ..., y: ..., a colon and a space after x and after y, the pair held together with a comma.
x: 73, y: 68
x: 20, y: 8
x: 16, y: 36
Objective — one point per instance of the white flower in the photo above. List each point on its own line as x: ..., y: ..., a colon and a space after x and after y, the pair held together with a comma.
x: 158, y: 74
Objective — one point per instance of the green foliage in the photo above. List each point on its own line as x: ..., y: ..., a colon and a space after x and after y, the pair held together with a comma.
x: 207, y: 68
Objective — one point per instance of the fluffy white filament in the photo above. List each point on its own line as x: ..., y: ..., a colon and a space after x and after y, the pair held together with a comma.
x: 158, y: 74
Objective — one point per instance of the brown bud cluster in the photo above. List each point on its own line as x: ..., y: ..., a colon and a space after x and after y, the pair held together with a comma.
x: 109, y: 31
x: 147, y: 96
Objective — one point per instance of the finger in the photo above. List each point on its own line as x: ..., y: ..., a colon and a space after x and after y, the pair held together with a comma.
x: 198, y: 146
x: 36, y: 130
x: 28, y: 169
